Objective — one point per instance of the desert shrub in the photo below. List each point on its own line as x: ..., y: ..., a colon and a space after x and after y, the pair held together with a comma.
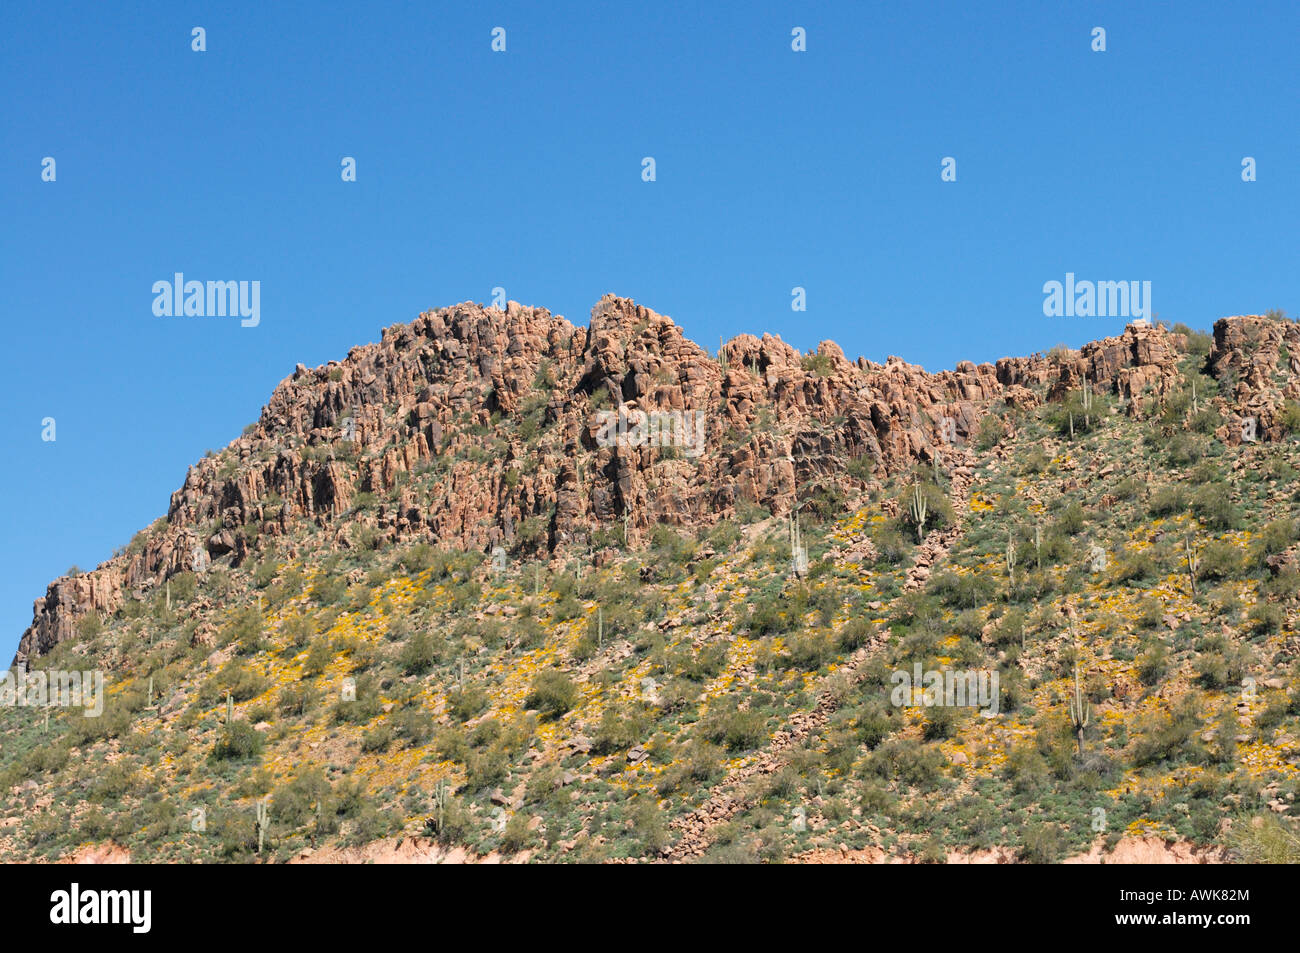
x: 619, y: 729
x: 819, y: 365
x: 1265, y: 619
x: 297, y: 630
x: 1273, y: 539
x: 907, y: 760
x: 467, y: 701
x: 1212, y: 506
x: 264, y: 573
x: 962, y: 590
x: 1072, y: 519
x: 1288, y: 417
x: 318, y: 658
x: 552, y: 693
x: 735, y: 730
x: 1167, y: 501
x: 1160, y: 737
x: 1219, y: 560
x: 1184, y: 449
x: 1041, y: 843
x: 245, y: 629
x: 239, y: 741
x: 329, y: 590
x: 1205, y: 421
x: 891, y: 545
x: 378, y: 738
x: 298, y: 699
x: 991, y: 429
x: 241, y: 682
x: 1265, y: 839
x: 861, y: 467
x: 419, y: 654
x: 941, y: 723
x: 1069, y: 413
x: 1135, y: 566
x: 1198, y: 342
x: 1153, y: 664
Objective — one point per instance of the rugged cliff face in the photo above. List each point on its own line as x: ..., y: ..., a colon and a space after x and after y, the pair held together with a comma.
x: 428, y: 397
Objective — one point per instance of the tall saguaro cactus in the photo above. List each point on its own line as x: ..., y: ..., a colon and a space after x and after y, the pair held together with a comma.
x: 798, y: 551
x: 1079, y: 709
x: 1087, y: 405
x: 1011, y: 560
x: 263, y: 823
x: 918, y: 509
x: 441, y: 798
x: 1193, y: 562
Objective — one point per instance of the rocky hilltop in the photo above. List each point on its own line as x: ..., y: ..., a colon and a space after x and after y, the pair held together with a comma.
x: 775, y: 420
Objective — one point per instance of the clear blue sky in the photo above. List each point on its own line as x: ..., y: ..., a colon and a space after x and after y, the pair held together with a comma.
x: 523, y: 169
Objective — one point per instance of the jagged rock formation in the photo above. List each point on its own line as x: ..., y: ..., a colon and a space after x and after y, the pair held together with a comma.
x: 430, y: 394
x: 1260, y: 359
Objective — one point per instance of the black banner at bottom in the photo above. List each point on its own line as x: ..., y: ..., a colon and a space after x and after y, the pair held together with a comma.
x: 141, y: 905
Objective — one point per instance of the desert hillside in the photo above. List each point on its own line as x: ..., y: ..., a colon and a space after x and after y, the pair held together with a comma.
x: 502, y: 588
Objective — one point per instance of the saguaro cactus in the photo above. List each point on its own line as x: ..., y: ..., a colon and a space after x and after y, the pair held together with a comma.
x: 1079, y: 709
x: 1038, y: 545
x: 263, y: 823
x: 441, y: 798
x: 1193, y: 562
x: 918, y: 509
x: 1087, y: 405
x: 798, y: 551
x: 1196, y: 407
x: 230, y: 708
x: 1011, y: 559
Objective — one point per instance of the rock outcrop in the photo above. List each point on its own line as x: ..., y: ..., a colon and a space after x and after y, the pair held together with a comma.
x: 475, y: 427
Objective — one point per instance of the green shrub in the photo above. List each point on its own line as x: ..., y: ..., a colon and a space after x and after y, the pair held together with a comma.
x: 1041, y: 843
x: 907, y: 760
x: 552, y: 693
x: 239, y: 741
x: 329, y: 590
x: 1167, y: 501
x: 419, y: 654
x: 735, y: 730
x: 991, y: 429
x: 1212, y: 506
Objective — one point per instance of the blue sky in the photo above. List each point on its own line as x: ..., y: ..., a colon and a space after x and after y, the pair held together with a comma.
x: 522, y: 169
